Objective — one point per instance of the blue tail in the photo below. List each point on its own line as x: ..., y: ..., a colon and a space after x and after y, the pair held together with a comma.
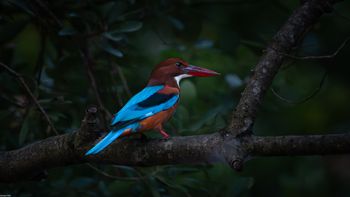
x: 109, y: 138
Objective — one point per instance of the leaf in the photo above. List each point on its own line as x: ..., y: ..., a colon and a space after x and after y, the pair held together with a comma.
x: 233, y: 80
x: 178, y: 24
x: 204, y: 44
x: 113, y: 36
x: 113, y: 51
x: 66, y: 31
x: 128, y: 26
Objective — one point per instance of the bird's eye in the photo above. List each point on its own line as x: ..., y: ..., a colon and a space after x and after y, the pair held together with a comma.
x: 178, y: 64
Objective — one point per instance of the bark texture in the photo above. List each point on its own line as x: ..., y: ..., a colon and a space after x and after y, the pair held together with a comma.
x: 69, y: 149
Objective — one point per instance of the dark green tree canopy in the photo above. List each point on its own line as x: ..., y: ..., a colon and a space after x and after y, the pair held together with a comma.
x: 67, y: 66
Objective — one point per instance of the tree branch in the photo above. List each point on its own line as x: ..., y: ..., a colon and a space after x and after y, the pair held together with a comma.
x: 286, y: 38
x: 300, y: 145
x: 69, y: 149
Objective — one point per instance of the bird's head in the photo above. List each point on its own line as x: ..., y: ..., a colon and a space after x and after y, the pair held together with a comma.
x: 175, y: 69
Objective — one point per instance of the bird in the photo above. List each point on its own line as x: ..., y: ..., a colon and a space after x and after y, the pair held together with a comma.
x: 154, y: 105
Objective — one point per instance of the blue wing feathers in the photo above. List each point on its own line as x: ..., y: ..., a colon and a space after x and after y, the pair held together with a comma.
x: 143, y: 105
x: 142, y: 113
x: 139, y: 97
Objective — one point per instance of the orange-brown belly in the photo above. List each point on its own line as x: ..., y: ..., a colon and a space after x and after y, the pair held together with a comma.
x: 156, y: 120
x: 152, y: 122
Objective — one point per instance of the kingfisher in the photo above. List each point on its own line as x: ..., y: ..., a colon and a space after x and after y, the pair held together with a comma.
x: 153, y: 105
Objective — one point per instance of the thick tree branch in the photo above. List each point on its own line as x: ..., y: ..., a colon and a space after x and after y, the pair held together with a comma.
x: 69, y: 149
x: 286, y: 38
x: 300, y: 145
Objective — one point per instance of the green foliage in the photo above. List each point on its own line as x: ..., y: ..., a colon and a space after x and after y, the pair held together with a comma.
x: 46, y: 41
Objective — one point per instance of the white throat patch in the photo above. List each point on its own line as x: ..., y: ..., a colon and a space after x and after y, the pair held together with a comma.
x: 179, y: 77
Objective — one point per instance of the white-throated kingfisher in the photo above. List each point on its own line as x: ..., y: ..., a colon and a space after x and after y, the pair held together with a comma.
x: 153, y: 105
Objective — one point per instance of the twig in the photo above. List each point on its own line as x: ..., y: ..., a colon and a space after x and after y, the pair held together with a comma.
x: 11, y: 101
x: 335, y: 53
x: 123, y: 79
x: 114, y: 84
x: 314, y: 93
x: 88, y: 64
x: 29, y: 92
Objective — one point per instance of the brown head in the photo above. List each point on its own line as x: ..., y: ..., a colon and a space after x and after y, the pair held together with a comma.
x: 172, y: 70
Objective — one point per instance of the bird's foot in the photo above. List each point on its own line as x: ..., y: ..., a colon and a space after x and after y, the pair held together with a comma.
x: 164, y: 134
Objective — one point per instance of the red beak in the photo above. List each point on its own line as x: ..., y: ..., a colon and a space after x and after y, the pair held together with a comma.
x: 199, y: 72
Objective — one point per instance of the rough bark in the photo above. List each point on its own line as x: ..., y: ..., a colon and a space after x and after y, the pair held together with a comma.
x: 69, y: 149
x: 300, y: 145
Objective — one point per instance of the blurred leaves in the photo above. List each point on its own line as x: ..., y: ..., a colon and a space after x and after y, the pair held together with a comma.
x: 113, y: 51
x: 113, y: 36
x: 127, y: 27
x: 228, y: 37
x: 67, y: 31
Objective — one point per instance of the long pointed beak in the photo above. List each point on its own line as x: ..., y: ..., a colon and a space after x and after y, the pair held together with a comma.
x: 199, y: 72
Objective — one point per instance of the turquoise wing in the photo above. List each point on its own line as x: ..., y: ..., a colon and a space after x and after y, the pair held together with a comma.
x: 145, y: 104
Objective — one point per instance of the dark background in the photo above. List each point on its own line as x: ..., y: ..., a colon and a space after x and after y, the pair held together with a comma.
x: 45, y: 40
